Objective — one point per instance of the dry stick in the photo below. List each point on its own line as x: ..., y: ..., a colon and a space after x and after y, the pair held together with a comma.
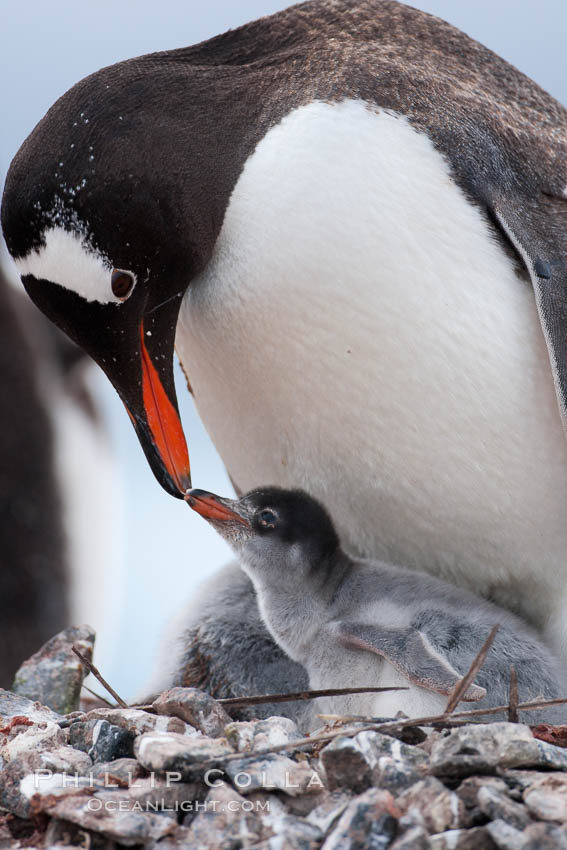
x: 99, y: 696
x: 302, y: 695
x: 96, y: 673
x: 513, y: 696
x: 259, y: 699
x: 439, y: 719
x: 372, y: 727
x: 462, y: 685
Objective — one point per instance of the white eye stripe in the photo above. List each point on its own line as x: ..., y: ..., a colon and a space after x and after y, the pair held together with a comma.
x: 68, y: 260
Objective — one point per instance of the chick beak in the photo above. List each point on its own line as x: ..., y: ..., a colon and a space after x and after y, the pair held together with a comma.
x: 214, y: 508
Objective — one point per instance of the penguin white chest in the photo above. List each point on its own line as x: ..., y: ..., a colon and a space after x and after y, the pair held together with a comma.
x: 361, y: 333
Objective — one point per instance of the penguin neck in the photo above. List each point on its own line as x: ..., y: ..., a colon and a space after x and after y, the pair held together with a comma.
x: 294, y: 608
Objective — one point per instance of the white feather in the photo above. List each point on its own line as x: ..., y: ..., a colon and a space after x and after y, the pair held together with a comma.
x: 67, y: 259
x: 359, y: 331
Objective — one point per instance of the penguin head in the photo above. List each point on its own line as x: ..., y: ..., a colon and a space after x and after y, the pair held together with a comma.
x: 108, y: 221
x: 271, y: 528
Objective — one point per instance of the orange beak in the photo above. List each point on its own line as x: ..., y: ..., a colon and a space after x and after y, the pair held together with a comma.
x: 213, y: 507
x: 164, y: 423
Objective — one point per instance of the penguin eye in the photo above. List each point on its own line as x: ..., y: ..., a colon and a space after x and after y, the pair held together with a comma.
x: 122, y: 283
x: 267, y: 519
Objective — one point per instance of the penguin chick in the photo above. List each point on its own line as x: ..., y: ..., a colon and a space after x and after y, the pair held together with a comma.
x: 354, y: 623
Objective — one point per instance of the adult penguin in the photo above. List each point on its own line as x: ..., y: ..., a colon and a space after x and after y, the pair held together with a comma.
x: 351, y: 217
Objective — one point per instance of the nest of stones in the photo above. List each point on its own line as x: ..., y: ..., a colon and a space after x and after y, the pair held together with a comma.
x: 181, y: 772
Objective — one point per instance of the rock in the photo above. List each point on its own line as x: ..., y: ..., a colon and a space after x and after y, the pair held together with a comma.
x: 371, y: 758
x: 103, y: 741
x: 119, y: 773
x: 162, y: 752
x: 552, y: 734
x: 496, y: 805
x: 163, y: 795
x: 61, y: 835
x: 138, y: 722
x: 369, y: 821
x: 274, y: 772
x: 54, y: 675
x: 326, y: 813
x: 13, y: 797
x: 287, y: 831
x: 32, y: 739
x: 468, y: 792
x: 66, y: 760
x: 477, y: 838
x: 546, y: 797
x: 415, y: 838
x: 432, y: 805
x: 485, y: 747
x: 195, y: 707
x: 14, y: 707
x: 125, y: 827
x: 36, y: 768
x: 224, y: 821
x: 505, y: 837
x: 544, y: 836
x: 303, y: 805
x: 246, y: 736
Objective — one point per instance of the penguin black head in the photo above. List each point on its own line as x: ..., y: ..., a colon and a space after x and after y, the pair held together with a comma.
x: 111, y: 207
x: 271, y: 526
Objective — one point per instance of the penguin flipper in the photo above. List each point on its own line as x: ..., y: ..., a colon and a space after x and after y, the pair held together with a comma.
x: 410, y: 653
x: 537, y: 230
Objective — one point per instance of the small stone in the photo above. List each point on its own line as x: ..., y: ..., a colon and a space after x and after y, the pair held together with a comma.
x: 519, y: 781
x: 274, y: 772
x: 139, y: 722
x: 437, y: 808
x: 62, y: 835
x: 484, y: 747
x: 125, y: 827
x: 177, y: 839
x: 66, y: 760
x: 224, y: 822
x: 121, y: 773
x: 161, y: 751
x: 287, y: 831
x: 505, y: 836
x: 164, y: 795
x: 32, y: 739
x: 369, y: 821
x: 195, y: 707
x: 329, y: 810
x: 544, y: 836
x: 415, y: 838
x: 546, y: 797
x: 13, y: 706
x: 498, y: 806
x: 246, y: 736
x: 54, y: 675
x: 477, y: 838
x: 304, y: 804
x: 371, y: 758
x: 103, y: 741
x: 468, y: 793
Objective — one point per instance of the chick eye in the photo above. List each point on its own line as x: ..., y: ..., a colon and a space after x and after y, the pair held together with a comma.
x: 267, y: 519
x: 122, y: 283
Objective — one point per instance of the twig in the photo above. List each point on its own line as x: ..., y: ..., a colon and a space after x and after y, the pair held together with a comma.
x: 434, y: 720
x: 99, y: 696
x: 513, y: 696
x: 302, y: 695
x: 96, y: 673
x: 462, y: 685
